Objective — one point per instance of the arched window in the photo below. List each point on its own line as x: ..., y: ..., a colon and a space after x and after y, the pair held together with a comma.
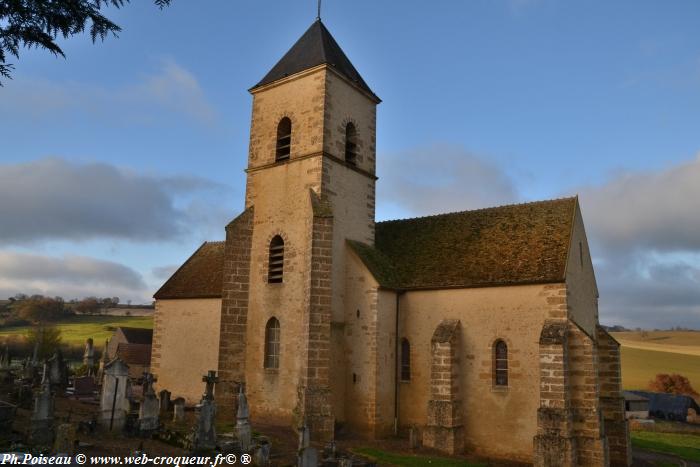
x: 272, y: 343
x: 276, y: 264
x: 284, y: 139
x: 351, y: 144
x: 405, y: 360
x: 500, y: 354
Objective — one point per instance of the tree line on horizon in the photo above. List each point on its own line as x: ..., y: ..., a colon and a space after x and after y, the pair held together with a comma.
x: 22, y: 309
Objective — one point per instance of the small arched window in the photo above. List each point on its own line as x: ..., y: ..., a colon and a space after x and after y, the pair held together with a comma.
x: 284, y: 139
x: 500, y: 354
x: 405, y: 360
x: 351, y: 144
x: 276, y: 263
x: 272, y: 343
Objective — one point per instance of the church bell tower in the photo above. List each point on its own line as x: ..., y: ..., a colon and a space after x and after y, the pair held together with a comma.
x: 310, y: 187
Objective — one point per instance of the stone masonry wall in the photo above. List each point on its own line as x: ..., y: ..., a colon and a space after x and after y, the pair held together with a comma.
x: 234, y: 308
x: 315, y: 400
x: 591, y: 444
x: 444, y: 430
x: 554, y: 444
x: 612, y: 402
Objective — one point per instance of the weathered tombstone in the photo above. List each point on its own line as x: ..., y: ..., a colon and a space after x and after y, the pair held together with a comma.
x: 65, y: 439
x: 261, y: 456
x: 150, y: 407
x: 84, y: 386
x: 243, y: 430
x: 41, y: 425
x: 5, y: 360
x: 179, y: 409
x: 104, y: 360
x: 164, y: 397
x: 330, y: 451
x: 345, y: 462
x: 114, y: 404
x: 7, y: 416
x: 204, y: 438
x: 89, y: 356
x: 308, y: 456
x: 414, y: 437
x: 58, y: 370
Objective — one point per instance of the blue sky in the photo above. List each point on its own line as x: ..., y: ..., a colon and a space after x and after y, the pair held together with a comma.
x: 125, y: 156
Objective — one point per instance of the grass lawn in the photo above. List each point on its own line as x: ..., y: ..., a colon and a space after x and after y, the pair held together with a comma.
x: 412, y: 461
x: 681, y: 445
x: 76, y: 329
x: 639, y: 366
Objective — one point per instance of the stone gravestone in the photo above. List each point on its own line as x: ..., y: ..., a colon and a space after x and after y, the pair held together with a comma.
x: 308, y: 456
x: 41, y: 425
x: 414, y: 437
x: 261, y: 456
x: 179, y: 409
x: 84, y: 386
x: 5, y: 359
x: 204, y: 438
x: 150, y: 407
x: 58, y: 371
x: 243, y: 430
x: 104, y: 360
x: 164, y: 401
x: 65, y: 439
x: 89, y: 357
x: 114, y: 404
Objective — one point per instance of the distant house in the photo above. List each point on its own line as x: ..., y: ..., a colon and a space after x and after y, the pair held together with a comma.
x: 133, y: 347
x: 636, y: 406
x: 670, y: 406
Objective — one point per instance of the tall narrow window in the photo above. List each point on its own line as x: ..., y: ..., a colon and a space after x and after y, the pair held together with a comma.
x: 272, y: 343
x: 351, y: 144
x: 276, y: 264
x: 284, y: 139
x: 501, y: 363
x: 405, y: 360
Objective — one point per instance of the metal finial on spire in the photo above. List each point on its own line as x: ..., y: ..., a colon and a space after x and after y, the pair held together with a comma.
x: 318, y: 11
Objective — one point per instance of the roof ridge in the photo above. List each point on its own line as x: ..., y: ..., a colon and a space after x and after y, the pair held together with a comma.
x: 527, y: 203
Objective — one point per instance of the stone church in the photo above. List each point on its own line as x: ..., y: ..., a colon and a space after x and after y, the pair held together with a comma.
x: 477, y: 328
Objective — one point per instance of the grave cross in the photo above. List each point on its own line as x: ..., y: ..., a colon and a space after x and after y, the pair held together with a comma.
x: 211, y: 379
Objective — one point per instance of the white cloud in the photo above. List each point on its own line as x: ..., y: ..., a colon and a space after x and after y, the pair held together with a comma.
x: 441, y: 178
x: 171, y: 88
x: 68, y: 276
x: 647, y: 210
x: 644, y: 228
x: 53, y: 199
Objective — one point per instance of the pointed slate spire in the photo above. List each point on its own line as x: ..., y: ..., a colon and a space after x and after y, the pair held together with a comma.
x: 315, y: 47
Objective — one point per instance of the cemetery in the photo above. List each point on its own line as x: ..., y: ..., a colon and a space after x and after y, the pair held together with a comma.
x: 48, y: 409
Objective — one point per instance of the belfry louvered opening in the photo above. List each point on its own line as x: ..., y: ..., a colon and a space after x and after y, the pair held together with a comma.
x: 276, y: 265
x: 351, y: 144
x: 284, y: 139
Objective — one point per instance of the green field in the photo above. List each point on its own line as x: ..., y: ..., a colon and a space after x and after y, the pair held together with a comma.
x: 685, y: 446
x: 76, y: 329
x: 645, y: 356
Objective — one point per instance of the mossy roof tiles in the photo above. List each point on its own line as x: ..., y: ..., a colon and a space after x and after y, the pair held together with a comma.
x: 199, y: 277
x: 515, y: 244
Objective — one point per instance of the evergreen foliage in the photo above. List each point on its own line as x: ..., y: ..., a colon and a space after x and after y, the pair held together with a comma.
x: 38, y: 23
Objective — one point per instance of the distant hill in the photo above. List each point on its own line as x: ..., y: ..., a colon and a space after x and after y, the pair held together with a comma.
x: 648, y: 353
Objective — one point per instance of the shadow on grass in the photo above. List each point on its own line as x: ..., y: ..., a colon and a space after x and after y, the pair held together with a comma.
x: 412, y: 460
x: 685, y: 446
